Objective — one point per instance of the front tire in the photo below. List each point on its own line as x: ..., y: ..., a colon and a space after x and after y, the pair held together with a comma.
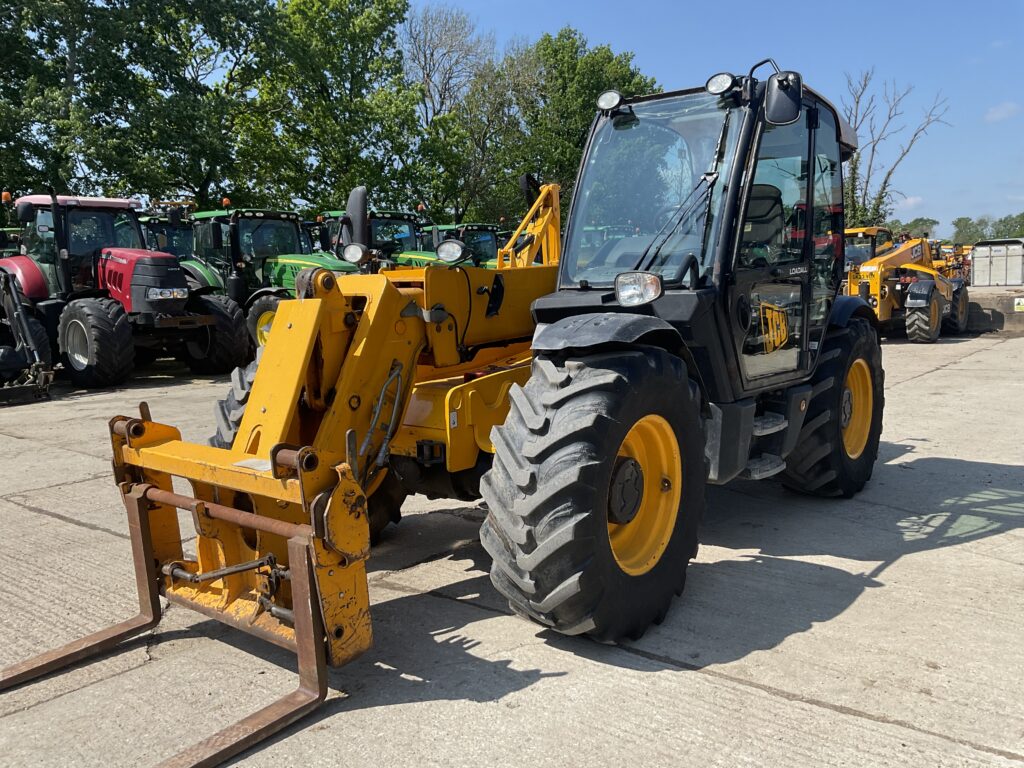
x: 838, y: 444
x: 261, y: 318
x: 596, y: 492
x: 95, y: 341
x: 223, y: 346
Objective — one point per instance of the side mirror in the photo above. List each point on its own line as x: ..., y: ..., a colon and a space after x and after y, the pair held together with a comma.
x: 357, y: 225
x: 324, y: 237
x: 436, y: 236
x: 174, y: 216
x: 784, y: 98
x: 530, y: 188
x: 25, y: 211
x: 216, y: 236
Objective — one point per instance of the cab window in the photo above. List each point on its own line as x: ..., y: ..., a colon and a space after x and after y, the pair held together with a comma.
x: 773, y: 232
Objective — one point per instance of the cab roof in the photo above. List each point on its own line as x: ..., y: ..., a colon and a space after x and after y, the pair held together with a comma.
x: 85, y: 202
x: 246, y: 212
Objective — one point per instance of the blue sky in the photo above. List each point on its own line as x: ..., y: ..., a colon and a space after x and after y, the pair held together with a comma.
x: 971, y: 52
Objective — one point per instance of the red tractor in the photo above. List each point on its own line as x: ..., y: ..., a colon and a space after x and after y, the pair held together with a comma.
x: 108, y: 303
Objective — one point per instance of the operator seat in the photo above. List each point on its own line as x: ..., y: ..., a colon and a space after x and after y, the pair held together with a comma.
x: 764, y: 224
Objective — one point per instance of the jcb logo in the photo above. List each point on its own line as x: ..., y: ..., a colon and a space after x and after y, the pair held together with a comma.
x: 774, y: 327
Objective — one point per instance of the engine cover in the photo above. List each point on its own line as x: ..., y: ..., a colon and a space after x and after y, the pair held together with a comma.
x: 127, y: 274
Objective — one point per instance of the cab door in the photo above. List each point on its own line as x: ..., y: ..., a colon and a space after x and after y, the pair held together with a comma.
x: 771, y: 269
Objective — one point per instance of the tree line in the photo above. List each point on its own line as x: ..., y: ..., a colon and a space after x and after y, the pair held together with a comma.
x: 273, y: 101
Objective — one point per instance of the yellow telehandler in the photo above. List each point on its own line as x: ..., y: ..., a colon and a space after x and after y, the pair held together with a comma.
x: 590, y: 401
x: 906, y: 283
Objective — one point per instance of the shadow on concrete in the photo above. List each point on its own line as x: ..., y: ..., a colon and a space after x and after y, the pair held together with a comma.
x: 161, y: 373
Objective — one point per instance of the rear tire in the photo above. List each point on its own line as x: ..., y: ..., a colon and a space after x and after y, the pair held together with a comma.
x: 260, y: 317
x: 831, y: 459
x: 564, y: 483
x: 220, y: 347
x: 924, y: 323
x: 384, y: 507
x: 95, y: 341
x: 959, y: 314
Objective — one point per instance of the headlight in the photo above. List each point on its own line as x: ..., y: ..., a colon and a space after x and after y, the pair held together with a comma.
x: 609, y: 100
x: 720, y: 83
x: 635, y: 288
x: 356, y: 253
x: 167, y: 293
x: 451, y: 251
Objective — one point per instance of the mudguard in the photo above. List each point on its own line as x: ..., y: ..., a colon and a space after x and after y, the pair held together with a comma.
x: 31, y: 281
x: 919, y: 293
x: 846, y: 307
x: 598, y: 329
x: 208, y: 278
x: 594, y: 330
x: 284, y: 293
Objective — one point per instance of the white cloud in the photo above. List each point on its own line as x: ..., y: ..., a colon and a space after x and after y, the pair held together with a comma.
x: 1004, y: 110
x: 910, y: 203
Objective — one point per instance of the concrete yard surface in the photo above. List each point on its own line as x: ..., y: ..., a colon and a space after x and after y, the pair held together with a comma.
x: 887, y: 629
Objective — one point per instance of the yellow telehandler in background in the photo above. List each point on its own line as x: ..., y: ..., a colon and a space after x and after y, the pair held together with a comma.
x: 905, y: 283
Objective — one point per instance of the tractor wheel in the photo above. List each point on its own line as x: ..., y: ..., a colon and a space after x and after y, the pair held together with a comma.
x: 924, y: 323
x: 95, y: 341
x: 220, y: 347
x: 838, y: 443
x: 261, y: 317
x: 384, y: 506
x: 956, y: 322
x: 596, y: 492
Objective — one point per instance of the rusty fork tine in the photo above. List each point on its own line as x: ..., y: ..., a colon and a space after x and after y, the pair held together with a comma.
x: 312, y: 690
x: 105, y: 639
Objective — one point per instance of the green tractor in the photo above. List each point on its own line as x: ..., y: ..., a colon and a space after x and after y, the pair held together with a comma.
x: 394, y: 237
x: 167, y: 228
x: 253, y: 255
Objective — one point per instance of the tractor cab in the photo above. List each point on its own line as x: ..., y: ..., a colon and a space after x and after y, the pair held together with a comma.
x: 394, y: 237
x: 10, y: 240
x: 168, y: 228
x: 866, y: 243
x: 246, y: 250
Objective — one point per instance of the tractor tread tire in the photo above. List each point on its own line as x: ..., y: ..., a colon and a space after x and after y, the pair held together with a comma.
x: 818, y: 465
x: 956, y: 322
x: 258, y: 307
x: 919, y: 327
x: 111, y: 348
x: 229, y: 345
x: 552, y: 559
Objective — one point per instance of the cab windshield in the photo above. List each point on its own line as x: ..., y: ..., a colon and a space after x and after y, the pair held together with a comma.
x: 92, y: 229
x: 170, y: 239
x: 858, y: 249
x: 266, y: 238
x: 395, y: 235
x: 645, y: 199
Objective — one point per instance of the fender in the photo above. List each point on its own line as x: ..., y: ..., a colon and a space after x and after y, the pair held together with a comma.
x: 284, y: 293
x: 919, y: 293
x: 596, y: 330
x: 31, y: 280
x: 209, y: 279
x: 847, y: 307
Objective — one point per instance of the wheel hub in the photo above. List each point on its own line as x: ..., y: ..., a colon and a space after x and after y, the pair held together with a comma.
x: 626, y: 491
x: 847, y: 407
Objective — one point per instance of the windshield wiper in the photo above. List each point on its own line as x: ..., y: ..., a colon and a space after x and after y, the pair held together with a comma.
x: 707, y: 181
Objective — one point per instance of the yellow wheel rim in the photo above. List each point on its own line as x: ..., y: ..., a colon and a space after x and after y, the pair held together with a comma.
x: 857, y: 408
x: 639, y: 543
x: 933, y: 314
x: 263, y: 323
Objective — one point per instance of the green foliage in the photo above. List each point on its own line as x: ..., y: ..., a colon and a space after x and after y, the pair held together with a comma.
x: 918, y: 227
x: 968, y: 230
